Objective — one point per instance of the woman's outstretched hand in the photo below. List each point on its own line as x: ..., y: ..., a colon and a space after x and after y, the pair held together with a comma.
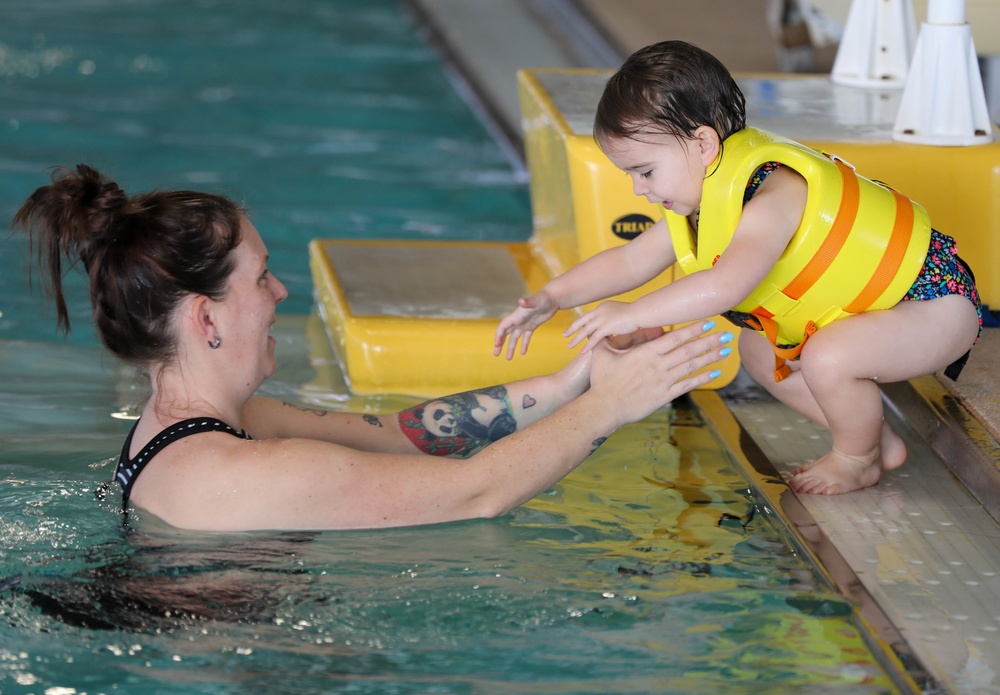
x: 519, y: 324
x: 637, y: 381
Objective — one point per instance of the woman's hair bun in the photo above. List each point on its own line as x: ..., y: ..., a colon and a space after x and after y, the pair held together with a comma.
x: 95, y: 199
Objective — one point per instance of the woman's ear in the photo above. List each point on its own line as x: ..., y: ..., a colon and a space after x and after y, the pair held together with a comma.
x: 199, y: 314
x: 708, y: 143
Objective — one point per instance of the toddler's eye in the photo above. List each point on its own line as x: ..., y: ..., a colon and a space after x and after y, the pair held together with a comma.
x: 646, y: 174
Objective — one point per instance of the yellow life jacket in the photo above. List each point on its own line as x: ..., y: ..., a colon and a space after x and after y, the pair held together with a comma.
x: 859, y: 247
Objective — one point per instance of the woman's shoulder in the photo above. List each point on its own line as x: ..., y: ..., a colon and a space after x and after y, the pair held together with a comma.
x: 216, y: 481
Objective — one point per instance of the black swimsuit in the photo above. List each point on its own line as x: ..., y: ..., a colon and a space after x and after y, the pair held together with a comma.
x: 128, y: 469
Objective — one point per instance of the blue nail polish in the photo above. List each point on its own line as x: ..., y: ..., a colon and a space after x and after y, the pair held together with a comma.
x: 726, y: 351
x: 715, y: 374
x: 708, y: 325
x: 726, y: 337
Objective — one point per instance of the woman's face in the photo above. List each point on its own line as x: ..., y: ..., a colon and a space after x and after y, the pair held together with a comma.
x: 665, y: 169
x: 251, y: 300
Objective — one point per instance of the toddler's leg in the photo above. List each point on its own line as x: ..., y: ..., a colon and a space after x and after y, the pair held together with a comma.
x: 844, y: 362
x: 758, y: 359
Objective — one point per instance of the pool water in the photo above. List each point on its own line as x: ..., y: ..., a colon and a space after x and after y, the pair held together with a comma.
x: 650, y: 569
x: 326, y: 118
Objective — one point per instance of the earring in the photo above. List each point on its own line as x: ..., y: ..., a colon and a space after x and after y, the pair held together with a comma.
x: 214, y: 344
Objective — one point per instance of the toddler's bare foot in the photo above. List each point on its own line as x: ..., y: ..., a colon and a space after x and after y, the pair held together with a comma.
x: 892, y: 451
x: 837, y: 473
x: 806, y: 466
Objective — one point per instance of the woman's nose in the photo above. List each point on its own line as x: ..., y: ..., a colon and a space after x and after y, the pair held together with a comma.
x: 279, y: 290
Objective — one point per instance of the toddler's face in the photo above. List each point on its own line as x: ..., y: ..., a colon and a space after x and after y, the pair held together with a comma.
x: 664, y: 168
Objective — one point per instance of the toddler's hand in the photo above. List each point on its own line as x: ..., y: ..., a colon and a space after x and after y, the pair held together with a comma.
x: 522, y: 322
x: 608, y: 319
x: 623, y: 341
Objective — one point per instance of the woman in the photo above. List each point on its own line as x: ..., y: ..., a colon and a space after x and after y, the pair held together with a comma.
x: 180, y: 288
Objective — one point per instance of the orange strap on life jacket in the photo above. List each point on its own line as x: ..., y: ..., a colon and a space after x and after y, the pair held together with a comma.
x: 892, y: 257
x: 781, y: 355
x: 835, y: 239
x: 886, y: 270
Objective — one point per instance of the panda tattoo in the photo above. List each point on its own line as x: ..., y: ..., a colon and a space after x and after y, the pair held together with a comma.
x: 459, y: 425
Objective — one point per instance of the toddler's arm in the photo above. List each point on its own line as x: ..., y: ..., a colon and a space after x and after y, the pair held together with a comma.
x: 768, y: 223
x: 603, y: 275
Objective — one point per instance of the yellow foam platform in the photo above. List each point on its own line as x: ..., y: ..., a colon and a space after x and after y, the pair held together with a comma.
x: 581, y: 204
x: 418, y: 318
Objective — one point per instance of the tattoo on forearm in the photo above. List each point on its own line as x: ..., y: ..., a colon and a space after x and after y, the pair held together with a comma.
x: 459, y: 425
x: 314, y: 411
x: 527, y: 401
x: 372, y: 420
x: 596, y: 444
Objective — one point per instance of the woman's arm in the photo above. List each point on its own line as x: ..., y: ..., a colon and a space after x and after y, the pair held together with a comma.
x: 484, y: 413
x: 310, y: 484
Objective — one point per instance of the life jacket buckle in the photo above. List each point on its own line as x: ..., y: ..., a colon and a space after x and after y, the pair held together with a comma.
x: 783, y: 355
x: 837, y: 158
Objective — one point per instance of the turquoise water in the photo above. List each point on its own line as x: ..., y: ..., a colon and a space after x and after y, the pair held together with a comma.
x: 326, y: 118
x: 652, y: 569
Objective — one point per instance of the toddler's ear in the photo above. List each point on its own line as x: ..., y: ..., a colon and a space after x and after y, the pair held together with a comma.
x: 708, y: 143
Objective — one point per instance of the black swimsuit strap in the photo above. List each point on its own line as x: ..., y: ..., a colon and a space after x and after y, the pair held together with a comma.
x: 128, y: 469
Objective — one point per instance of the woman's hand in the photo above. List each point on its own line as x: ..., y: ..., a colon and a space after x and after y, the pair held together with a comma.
x: 609, y: 319
x: 644, y: 378
x: 531, y: 313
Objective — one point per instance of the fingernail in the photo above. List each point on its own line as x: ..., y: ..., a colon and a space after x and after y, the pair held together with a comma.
x: 715, y: 374
x: 726, y: 351
x: 708, y: 325
x: 726, y: 337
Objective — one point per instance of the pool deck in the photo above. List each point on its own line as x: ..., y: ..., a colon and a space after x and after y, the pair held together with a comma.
x: 920, y: 552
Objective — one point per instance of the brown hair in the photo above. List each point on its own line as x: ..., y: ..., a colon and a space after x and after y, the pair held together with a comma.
x: 142, y: 254
x: 670, y: 88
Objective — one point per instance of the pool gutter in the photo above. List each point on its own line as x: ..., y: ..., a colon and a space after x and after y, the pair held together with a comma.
x: 896, y: 656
